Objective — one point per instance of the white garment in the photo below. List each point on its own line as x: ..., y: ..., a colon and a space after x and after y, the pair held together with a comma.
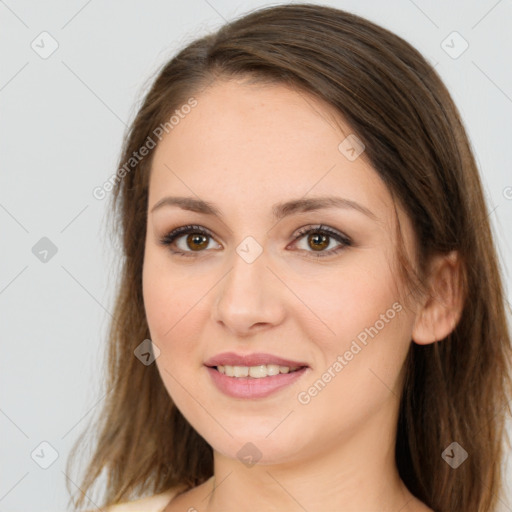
x: 155, y: 503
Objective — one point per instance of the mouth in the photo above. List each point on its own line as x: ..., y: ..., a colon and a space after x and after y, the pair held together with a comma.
x: 258, y: 387
x: 253, y: 376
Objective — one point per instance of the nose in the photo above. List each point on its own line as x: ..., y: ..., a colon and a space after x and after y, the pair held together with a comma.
x: 249, y: 298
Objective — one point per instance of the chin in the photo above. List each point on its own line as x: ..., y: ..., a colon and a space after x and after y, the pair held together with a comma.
x: 249, y: 445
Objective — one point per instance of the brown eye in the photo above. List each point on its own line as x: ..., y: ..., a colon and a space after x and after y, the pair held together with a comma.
x: 318, y: 238
x: 318, y: 242
x: 189, y: 241
x: 197, y: 241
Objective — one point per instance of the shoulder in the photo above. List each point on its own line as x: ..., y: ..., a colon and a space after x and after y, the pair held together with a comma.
x: 155, y: 503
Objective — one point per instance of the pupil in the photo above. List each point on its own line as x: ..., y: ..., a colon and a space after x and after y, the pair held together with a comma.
x: 319, y: 239
x: 198, y: 240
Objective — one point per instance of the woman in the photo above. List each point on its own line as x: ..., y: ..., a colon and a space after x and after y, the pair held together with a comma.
x: 307, y: 247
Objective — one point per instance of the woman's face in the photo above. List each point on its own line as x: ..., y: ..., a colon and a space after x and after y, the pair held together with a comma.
x: 262, y: 290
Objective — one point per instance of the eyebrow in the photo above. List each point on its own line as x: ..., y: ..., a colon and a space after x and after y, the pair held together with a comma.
x: 279, y: 210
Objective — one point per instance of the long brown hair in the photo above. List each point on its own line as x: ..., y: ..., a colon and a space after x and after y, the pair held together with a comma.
x: 455, y: 390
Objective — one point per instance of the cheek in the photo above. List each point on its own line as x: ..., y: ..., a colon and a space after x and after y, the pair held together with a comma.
x: 349, y: 300
x: 169, y: 303
x: 364, y: 322
x: 172, y: 311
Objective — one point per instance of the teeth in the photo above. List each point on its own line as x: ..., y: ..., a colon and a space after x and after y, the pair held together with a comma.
x: 256, y: 372
x: 240, y: 371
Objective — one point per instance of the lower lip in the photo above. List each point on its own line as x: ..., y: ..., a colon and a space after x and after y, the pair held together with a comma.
x: 248, y: 387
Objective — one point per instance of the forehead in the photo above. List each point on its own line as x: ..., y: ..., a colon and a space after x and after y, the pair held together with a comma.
x: 260, y: 137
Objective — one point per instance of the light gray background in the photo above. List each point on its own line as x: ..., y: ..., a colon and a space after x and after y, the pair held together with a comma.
x: 62, y: 121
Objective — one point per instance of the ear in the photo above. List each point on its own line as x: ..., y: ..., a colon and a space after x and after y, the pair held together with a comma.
x: 442, y: 307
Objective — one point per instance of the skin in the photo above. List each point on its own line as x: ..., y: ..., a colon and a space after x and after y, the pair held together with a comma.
x: 244, y: 148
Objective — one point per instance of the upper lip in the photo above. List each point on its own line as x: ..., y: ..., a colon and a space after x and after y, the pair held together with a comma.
x: 233, y: 359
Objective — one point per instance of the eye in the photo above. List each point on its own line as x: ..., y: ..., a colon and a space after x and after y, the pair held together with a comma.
x: 320, y: 237
x: 195, y: 241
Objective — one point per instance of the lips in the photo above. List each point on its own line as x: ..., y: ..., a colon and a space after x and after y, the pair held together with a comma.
x: 233, y: 359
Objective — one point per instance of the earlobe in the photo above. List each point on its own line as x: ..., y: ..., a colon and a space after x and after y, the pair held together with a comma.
x: 442, y: 308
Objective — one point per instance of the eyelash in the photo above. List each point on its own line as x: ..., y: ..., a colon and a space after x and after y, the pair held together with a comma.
x: 170, y: 237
